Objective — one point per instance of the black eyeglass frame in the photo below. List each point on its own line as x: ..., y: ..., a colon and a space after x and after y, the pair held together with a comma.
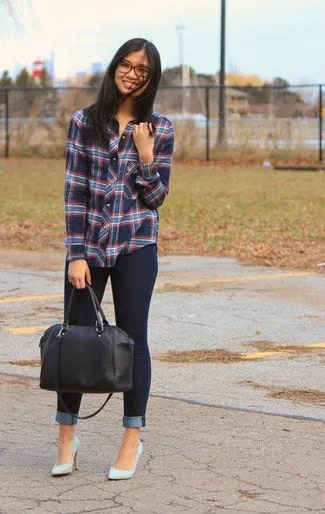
x: 130, y: 67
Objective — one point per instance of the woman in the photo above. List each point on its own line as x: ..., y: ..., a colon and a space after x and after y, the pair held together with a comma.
x: 118, y: 161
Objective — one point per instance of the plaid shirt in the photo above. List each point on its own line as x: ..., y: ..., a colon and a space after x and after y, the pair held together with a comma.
x: 111, y: 200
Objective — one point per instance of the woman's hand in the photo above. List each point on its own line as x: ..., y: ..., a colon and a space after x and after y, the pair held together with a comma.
x: 79, y: 273
x: 144, y: 140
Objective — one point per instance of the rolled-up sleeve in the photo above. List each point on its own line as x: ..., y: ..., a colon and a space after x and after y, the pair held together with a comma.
x: 153, y: 178
x: 75, y: 192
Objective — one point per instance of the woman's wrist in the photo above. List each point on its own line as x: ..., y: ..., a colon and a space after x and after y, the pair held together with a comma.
x: 146, y: 158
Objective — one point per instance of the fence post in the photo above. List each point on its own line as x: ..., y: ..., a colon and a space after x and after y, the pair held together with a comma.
x: 6, y: 123
x: 207, y: 123
x: 320, y: 104
x: 222, y: 78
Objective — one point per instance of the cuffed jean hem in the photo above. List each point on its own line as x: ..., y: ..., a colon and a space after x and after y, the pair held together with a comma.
x: 64, y: 418
x: 134, y: 421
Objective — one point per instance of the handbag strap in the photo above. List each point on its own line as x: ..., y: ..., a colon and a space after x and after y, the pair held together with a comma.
x: 59, y: 394
x: 100, y: 321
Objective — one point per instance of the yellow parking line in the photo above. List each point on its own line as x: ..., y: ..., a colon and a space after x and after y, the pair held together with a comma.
x: 25, y: 330
x: 247, y: 356
x: 11, y: 299
x: 262, y: 355
x: 262, y: 277
x: 268, y: 353
x: 321, y: 344
x: 225, y: 280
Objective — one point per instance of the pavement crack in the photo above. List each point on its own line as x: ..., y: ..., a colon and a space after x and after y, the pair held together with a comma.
x: 185, y: 321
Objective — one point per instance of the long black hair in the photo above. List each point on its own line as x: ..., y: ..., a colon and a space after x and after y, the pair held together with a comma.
x: 109, y: 98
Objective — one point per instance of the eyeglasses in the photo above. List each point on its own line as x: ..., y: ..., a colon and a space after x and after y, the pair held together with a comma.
x: 140, y: 71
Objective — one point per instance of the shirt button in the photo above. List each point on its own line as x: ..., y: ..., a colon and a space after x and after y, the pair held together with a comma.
x: 108, y: 204
x: 123, y: 137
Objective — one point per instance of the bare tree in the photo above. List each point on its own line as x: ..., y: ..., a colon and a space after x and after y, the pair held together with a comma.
x: 8, y: 7
x: 12, y: 11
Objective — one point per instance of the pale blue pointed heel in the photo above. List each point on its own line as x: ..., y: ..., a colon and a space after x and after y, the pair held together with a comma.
x: 121, y: 474
x: 66, y: 469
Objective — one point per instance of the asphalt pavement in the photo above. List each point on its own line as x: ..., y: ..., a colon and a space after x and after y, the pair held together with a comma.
x: 242, y: 433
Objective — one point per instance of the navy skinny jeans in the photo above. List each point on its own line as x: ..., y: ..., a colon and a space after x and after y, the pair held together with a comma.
x: 132, y: 281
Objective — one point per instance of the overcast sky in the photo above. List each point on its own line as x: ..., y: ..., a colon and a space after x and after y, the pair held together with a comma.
x: 268, y: 37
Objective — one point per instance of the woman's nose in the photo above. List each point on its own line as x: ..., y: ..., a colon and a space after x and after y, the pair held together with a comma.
x: 132, y: 74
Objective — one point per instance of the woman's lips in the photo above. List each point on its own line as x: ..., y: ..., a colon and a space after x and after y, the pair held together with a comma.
x: 130, y: 85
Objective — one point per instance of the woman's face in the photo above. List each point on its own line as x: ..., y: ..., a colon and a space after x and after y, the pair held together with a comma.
x: 131, y: 72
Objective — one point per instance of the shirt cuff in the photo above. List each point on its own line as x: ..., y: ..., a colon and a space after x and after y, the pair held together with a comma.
x: 148, y: 169
x: 76, y: 252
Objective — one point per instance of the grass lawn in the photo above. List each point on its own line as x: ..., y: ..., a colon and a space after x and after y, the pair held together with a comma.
x: 256, y: 215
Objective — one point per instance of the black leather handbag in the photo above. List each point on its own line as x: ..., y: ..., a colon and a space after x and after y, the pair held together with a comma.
x: 86, y: 359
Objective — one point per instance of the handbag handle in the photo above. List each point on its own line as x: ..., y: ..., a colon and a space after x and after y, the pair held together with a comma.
x: 97, y: 307
x: 99, y: 327
x: 96, y: 303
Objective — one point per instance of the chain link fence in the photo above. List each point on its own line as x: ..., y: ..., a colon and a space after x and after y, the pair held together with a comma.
x: 268, y: 122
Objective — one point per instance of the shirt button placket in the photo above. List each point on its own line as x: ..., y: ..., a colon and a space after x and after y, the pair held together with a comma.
x: 114, y: 162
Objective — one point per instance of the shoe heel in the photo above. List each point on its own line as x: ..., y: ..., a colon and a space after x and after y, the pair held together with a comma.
x: 66, y: 469
x: 76, y: 461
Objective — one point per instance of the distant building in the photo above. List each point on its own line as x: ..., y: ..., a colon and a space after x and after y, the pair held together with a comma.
x: 16, y: 69
x: 242, y: 79
x: 49, y: 66
x: 96, y: 67
x: 38, y: 66
x: 80, y: 78
x: 237, y: 102
x: 81, y: 74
